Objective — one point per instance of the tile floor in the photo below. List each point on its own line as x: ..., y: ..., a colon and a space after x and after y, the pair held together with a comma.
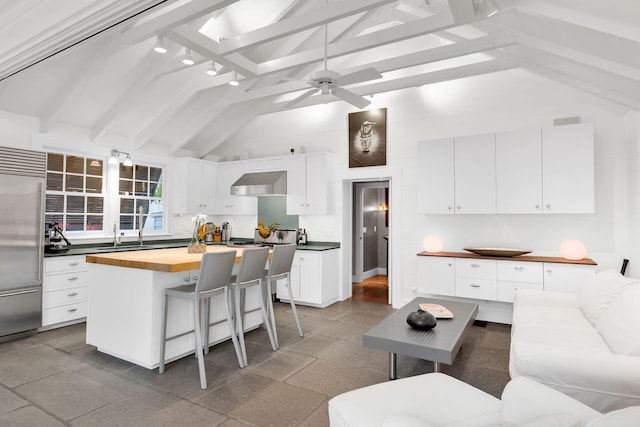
x: 55, y: 379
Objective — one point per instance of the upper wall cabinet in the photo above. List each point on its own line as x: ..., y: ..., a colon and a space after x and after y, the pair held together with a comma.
x: 519, y: 172
x: 457, y: 175
x: 568, y: 169
x: 194, y: 186
x: 549, y: 170
x: 436, y: 176
x: 310, y: 179
x: 228, y: 173
x: 475, y: 174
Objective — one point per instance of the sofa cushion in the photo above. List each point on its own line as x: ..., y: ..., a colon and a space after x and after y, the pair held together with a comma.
x: 600, y: 290
x: 404, y: 420
x: 620, y: 322
x: 627, y: 417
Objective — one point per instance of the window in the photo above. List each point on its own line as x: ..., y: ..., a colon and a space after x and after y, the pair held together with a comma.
x: 84, y: 193
x: 140, y: 186
x: 75, y: 193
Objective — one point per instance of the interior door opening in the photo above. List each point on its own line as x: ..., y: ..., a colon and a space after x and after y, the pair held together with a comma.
x: 370, y: 242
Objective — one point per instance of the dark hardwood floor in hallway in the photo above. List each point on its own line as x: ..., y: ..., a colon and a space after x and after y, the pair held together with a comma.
x: 374, y: 289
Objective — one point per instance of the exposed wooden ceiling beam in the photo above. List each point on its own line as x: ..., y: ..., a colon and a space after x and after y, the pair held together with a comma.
x: 170, y: 17
x: 301, y: 22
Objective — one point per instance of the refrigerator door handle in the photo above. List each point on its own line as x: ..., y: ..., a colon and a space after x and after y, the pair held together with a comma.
x: 18, y: 293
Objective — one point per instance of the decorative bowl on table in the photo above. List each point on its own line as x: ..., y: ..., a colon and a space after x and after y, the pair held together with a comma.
x: 501, y: 252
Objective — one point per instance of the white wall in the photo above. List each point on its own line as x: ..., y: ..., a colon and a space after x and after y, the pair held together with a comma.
x: 509, y: 100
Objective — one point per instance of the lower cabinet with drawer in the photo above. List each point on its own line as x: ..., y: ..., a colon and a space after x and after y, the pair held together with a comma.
x: 492, y: 282
x: 65, y: 289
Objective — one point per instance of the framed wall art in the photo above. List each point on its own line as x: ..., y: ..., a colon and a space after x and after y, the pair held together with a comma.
x: 368, y: 138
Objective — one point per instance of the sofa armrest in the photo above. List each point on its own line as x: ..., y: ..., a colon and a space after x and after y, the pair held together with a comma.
x: 525, y: 400
x: 603, y: 380
x: 536, y: 297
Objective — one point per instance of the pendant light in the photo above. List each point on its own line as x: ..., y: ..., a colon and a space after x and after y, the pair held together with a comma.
x: 188, y: 59
x: 234, y: 79
x: 213, y: 70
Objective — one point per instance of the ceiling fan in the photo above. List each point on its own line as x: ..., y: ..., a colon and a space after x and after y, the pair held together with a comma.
x: 330, y: 82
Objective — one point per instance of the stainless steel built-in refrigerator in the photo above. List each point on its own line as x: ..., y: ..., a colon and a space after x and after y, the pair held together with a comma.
x: 22, y: 187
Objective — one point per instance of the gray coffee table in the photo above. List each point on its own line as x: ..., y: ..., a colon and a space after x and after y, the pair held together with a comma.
x: 440, y: 344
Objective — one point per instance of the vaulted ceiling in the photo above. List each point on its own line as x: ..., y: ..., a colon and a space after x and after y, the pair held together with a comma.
x: 92, y: 65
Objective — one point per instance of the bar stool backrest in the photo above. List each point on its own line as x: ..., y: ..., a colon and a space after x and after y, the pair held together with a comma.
x: 215, y: 270
x: 281, y: 259
x: 252, y: 264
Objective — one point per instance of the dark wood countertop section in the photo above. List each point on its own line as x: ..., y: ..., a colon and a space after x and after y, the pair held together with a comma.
x: 525, y: 258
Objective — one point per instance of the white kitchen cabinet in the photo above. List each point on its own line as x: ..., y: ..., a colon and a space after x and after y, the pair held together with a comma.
x: 568, y: 169
x: 435, y: 176
x: 314, y: 278
x: 437, y: 275
x: 565, y: 277
x: 457, y: 175
x: 310, y: 183
x: 476, y: 278
x: 194, y: 186
x: 492, y: 282
x: 519, y: 172
x: 64, y: 291
x: 475, y: 174
x: 226, y: 203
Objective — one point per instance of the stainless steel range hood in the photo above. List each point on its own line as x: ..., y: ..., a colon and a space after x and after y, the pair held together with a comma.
x: 261, y: 184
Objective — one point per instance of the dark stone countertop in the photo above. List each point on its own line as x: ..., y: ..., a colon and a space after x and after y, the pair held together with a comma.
x: 99, y: 248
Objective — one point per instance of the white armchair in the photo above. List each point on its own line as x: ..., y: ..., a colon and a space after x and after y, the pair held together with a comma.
x: 432, y: 400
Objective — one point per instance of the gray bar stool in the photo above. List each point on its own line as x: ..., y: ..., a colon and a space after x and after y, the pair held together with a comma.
x: 250, y: 274
x: 213, y: 279
x: 280, y: 268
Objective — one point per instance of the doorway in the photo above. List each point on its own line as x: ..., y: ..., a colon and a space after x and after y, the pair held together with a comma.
x: 369, y: 237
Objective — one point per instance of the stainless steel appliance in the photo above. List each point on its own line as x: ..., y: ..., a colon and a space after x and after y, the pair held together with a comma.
x: 22, y: 187
x: 261, y: 184
x: 226, y: 232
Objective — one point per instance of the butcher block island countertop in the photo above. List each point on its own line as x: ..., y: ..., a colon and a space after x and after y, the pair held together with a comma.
x: 126, y: 290
x: 171, y: 260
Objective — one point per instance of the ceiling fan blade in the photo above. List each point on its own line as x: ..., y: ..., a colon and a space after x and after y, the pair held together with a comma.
x: 358, y: 76
x: 300, y: 98
x: 350, y: 97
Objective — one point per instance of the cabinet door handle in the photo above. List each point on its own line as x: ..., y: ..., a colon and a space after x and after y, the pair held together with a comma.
x: 537, y: 206
x: 186, y: 279
x: 71, y: 310
x: 458, y: 207
x: 548, y: 206
x: 449, y: 207
x: 72, y: 294
x: 518, y: 268
x: 549, y: 271
x: 195, y: 278
x: 72, y: 279
x: 475, y: 265
x: 450, y: 265
x: 73, y: 264
x: 473, y: 285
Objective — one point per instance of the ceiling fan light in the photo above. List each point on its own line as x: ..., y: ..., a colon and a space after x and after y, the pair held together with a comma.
x: 159, y: 46
x: 188, y: 60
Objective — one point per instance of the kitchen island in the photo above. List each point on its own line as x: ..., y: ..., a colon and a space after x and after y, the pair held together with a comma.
x: 125, y: 304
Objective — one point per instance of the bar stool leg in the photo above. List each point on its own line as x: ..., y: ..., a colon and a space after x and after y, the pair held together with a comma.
x: 293, y: 306
x: 266, y: 319
x: 205, y: 324
x: 163, y: 332
x: 239, y: 323
x: 199, y: 353
x: 271, y: 313
x: 232, y: 330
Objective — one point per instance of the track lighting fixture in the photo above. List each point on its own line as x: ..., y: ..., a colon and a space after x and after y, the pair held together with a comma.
x: 213, y: 70
x: 160, y: 47
x: 234, y: 79
x: 114, y: 158
x: 188, y: 59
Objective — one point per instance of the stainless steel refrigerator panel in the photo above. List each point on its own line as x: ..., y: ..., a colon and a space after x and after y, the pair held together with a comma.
x: 20, y: 311
x: 21, y: 224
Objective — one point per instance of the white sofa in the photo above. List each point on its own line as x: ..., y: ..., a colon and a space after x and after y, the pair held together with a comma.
x: 432, y: 400
x: 586, y: 345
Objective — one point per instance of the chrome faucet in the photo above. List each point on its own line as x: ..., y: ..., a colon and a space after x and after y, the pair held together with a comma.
x: 141, y: 226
